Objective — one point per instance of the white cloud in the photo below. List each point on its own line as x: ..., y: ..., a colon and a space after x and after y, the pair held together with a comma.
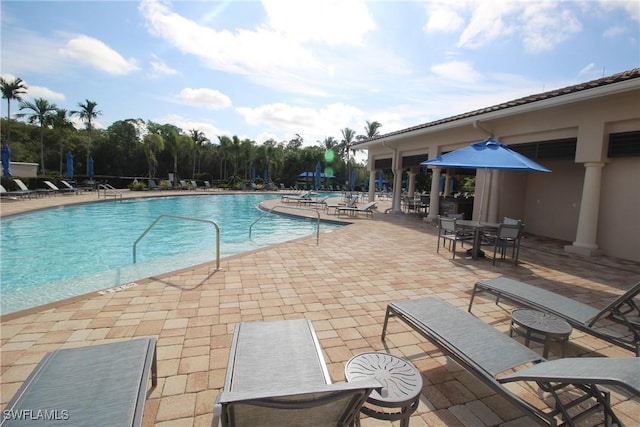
x: 330, y: 21
x: 98, y: 55
x: 44, y: 92
x: 210, y: 130
x: 204, y: 97
x: 311, y: 123
x: 547, y: 24
x: 458, y: 71
x: 159, y: 68
x: 488, y: 23
x: 443, y: 17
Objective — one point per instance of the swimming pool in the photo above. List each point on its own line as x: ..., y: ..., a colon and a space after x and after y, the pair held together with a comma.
x: 62, y: 252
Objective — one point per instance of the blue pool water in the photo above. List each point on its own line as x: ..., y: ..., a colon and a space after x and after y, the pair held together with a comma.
x: 62, y: 252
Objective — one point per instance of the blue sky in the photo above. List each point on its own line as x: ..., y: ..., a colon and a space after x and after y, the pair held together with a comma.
x: 277, y: 68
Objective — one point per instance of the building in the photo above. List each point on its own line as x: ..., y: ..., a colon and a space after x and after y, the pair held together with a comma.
x: 587, y: 134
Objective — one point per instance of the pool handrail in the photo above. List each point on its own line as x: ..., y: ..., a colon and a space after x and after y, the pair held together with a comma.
x: 188, y: 219
x: 290, y: 207
x: 109, y: 190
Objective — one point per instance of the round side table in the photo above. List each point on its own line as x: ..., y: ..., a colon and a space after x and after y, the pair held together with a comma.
x: 540, y: 327
x: 401, y: 381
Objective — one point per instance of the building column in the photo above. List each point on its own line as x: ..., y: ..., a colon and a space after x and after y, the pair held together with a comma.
x: 434, y: 198
x: 412, y: 183
x: 447, y: 183
x: 372, y: 185
x: 586, y: 235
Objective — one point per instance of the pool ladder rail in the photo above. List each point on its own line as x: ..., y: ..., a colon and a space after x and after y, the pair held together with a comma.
x: 108, y: 190
x: 186, y: 218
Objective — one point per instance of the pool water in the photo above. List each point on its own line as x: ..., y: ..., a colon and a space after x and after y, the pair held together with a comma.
x: 67, y: 251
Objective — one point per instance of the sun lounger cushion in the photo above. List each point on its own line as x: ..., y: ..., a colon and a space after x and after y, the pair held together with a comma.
x: 101, y: 385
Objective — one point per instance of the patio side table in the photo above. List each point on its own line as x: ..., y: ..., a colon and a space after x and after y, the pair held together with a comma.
x: 401, y: 380
x: 540, y: 327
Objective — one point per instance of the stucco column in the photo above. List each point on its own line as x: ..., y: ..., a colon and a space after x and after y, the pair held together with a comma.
x: 494, y: 192
x: 586, y: 234
x: 412, y: 183
x: 397, y: 191
x: 447, y: 183
x: 434, y: 198
x: 372, y: 185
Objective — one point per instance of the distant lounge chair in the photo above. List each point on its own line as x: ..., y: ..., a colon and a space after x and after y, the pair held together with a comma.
x: 9, y: 194
x: 353, y: 210
x: 579, y: 315
x: 68, y: 186
x: 55, y: 188
x: 24, y: 190
x: 99, y: 385
x: 351, y: 203
x: 153, y: 185
x: 289, y: 198
x: 489, y: 355
x: 277, y: 376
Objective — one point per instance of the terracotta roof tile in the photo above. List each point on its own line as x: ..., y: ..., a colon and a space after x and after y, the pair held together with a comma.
x: 615, y: 78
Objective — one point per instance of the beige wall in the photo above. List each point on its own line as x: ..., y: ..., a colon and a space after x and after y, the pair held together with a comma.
x: 550, y: 203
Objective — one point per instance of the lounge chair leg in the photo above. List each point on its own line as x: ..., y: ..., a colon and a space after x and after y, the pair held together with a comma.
x: 386, y: 321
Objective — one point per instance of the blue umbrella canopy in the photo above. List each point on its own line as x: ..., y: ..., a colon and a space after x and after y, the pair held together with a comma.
x: 6, y: 160
x: 69, y: 165
x: 352, y: 180
x: 265, y: 175
x: 90, y: 172
x: 487, y: 154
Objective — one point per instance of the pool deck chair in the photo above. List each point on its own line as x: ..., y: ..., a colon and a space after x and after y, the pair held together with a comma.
x: 55, y: 188
x: 277, y: 376
x: 352, y: 211
x: 623, y: 310
x: 493, y: 356
x: 100, y: 385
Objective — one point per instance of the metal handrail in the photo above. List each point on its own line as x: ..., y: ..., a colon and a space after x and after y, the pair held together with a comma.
x: 290, y: 207
x: 188, y: 219
x: 109, y: 188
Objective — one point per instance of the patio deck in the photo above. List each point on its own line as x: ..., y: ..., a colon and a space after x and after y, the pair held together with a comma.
x: 343, y: 285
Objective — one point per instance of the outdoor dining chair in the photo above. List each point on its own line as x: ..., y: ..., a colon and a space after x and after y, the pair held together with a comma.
x: 449, y: 231
x: 508, y: 236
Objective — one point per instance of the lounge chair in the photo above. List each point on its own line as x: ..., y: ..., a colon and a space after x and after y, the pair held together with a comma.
x: 277, y: 376
x: 9, y: 194
x: 623, y: 310
x: 55, y: 188
x: 99, y: 385
x: 352, y: 211
x: 68, y: 186
x: 492, y: 356
x: 289, y: 198
x: 23, y: 189
x: 351, y: 203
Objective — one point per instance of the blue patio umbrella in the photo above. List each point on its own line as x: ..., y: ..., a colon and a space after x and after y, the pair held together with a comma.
x: 6, y: 160
x: 488, y: 154
x: 253, y: 174
x: 352, y: 181
x: 265, y: 175
x: 90, y: 172
x: 69, y: 165
x: 318, y: 175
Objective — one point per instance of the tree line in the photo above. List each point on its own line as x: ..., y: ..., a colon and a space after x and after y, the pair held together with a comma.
x: 137, y: 148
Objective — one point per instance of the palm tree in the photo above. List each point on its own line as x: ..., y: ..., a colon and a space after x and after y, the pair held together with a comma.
x: 87, y: 113
x: 371, y: 130
x: 199, y: 140
x: 12, y: 90
x: 61, y: 123
x: 41, y: 113
x: 347, y: 141
x: 151, y: 144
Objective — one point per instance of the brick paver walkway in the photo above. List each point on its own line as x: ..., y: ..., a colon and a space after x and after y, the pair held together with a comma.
x: 343, y: 285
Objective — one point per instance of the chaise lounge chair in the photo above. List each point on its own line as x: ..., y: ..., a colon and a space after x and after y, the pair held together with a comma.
x: 352, y: 211
x: 99, y: 385
x: 24, y: 190
x: 277, y: 376
x: 55, y: 188
x: 623, y: 310
x: 491, y: 356
x: 289, y: 198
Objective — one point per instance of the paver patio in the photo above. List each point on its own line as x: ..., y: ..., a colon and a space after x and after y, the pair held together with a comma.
x: 343, y: 285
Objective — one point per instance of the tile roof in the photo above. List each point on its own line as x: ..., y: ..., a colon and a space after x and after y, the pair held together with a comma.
x: 615, y: 78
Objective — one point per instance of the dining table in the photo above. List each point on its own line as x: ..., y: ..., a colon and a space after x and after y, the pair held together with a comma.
x: 477, y: 227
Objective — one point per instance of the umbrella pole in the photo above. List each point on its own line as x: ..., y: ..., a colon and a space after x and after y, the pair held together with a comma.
x: 487, y: 177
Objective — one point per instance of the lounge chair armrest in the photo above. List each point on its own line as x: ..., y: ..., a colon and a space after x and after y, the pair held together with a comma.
x: 249, y: 395
x: 618, y: 371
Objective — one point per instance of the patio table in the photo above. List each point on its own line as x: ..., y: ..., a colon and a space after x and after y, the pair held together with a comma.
x: 477, y: 227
